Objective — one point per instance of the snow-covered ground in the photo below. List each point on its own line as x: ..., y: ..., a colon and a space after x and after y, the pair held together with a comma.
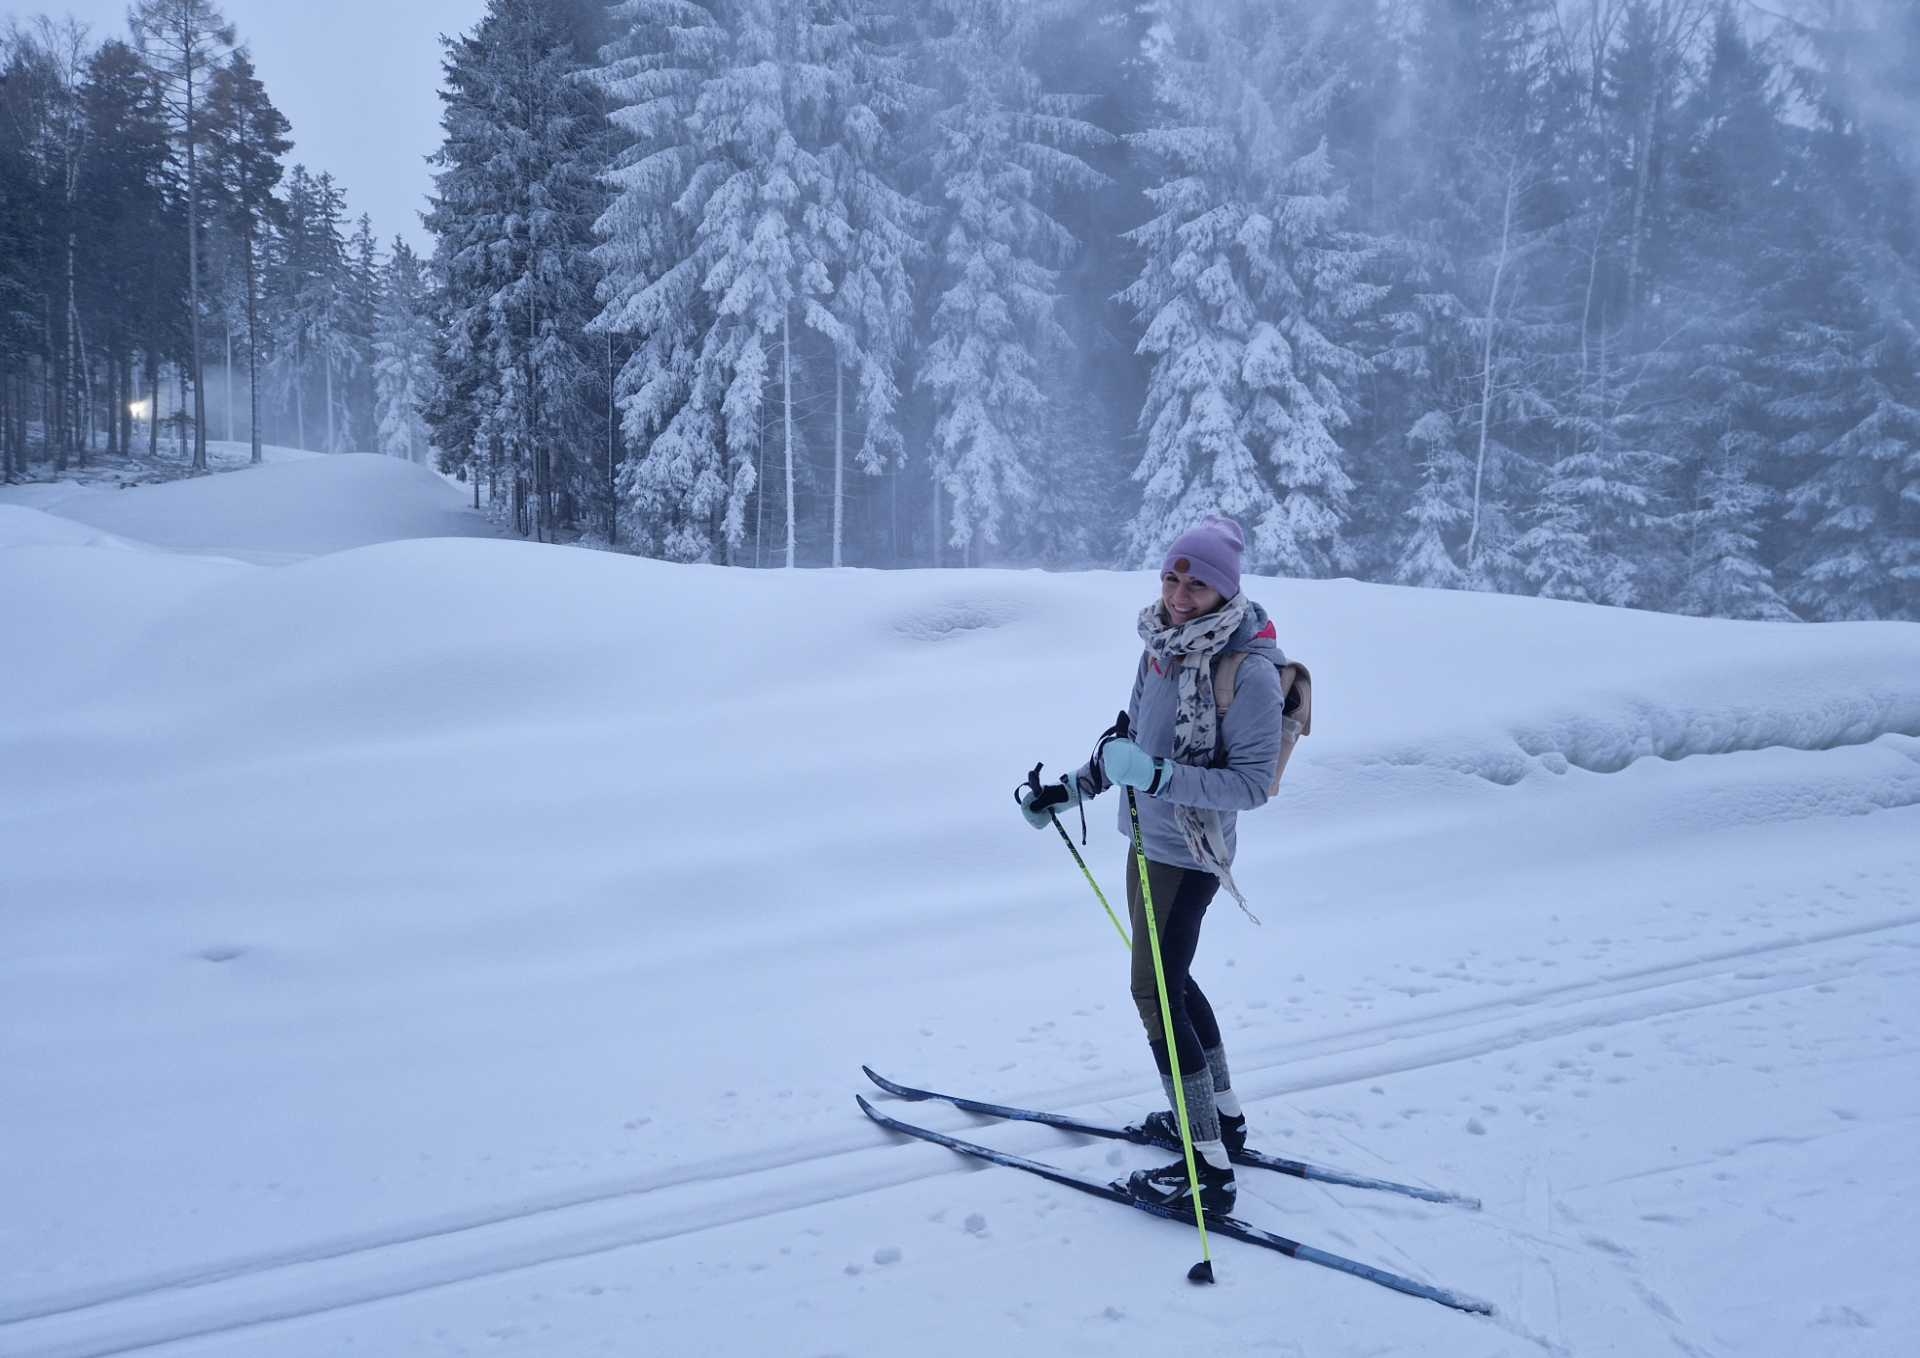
x: 429, y: 945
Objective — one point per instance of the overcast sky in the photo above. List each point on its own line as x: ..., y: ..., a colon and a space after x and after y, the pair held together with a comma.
x: 358, y: 79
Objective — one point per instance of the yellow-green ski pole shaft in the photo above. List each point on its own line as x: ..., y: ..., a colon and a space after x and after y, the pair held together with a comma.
x: 1087, y: 872
x: 1201, y: 1272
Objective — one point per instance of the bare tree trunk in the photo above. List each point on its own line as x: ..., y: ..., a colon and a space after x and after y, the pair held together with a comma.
x: 613, y: 436
x: 253, y: 349
x: 839, y: 459
x: 153, y: 406
x: 1486, y: 357
x: 332, y: 447
x: 300, y: 392
x: 229, y: 374
x: 73, y: 340
x: 1642, y: 177
x: 760, y: 491
x: 786, y: 379
x: 193, y: 279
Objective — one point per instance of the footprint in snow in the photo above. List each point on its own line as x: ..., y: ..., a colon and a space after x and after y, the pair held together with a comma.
x: 1843, y: 1317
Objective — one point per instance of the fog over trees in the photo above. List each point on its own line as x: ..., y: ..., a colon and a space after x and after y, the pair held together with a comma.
x: 1603, y: 300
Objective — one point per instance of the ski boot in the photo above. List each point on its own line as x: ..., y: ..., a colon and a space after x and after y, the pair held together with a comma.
x: 1162, y: 1128
x: 1168, y: 1186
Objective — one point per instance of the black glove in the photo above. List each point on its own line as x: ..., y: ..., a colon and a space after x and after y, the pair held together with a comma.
x: 1040, y: 804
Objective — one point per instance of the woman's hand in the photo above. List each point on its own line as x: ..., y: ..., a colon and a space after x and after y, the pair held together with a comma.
x: 1040, y: 805
x: 1127, y: 764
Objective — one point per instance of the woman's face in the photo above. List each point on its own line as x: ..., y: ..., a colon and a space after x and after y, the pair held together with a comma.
x: 1184, y: 597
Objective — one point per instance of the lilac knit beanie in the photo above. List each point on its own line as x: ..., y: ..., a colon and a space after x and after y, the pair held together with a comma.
x: 1210, y: 553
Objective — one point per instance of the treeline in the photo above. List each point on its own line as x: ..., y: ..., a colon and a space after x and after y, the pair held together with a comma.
x: 160, y: 263
x: 1608, y: 300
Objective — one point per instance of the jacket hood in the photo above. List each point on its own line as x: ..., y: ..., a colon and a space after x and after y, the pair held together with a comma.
x: 1256, y: 634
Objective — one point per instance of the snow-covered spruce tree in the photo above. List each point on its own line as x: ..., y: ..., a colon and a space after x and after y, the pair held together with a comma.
x: 362, y: 312
x: 783, y: 104
x: 516, y: 193
x: 290, y: 265
x: 1604, y: 526
x: 326, y: 306
x: 873, y: 298
x: 185, y: 41
x: 1250, y: 284
x: 1002, y: 150
x: 1845, y: 362
x: 309, y: 306
x: 1728, y: 204
x: 685, y: 486
x: 403, y: 355
x: 1441, y: 505
x: 131, y: 222
x: 1590, y: 539
x: 1461, y: 183
x: 1094, y: 386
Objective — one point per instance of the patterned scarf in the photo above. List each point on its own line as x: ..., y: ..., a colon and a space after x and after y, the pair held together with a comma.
x: 1191, y: 649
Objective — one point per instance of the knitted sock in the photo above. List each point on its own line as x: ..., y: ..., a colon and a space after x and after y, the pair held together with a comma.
x: 1203, y: 1119
x: 1223, y: 1096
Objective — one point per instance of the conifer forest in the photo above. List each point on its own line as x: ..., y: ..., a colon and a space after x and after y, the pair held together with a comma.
x: 1614, y: 301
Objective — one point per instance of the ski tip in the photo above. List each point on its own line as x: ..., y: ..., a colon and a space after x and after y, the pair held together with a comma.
x: 892, y: 1087
x: 1201, y: 1272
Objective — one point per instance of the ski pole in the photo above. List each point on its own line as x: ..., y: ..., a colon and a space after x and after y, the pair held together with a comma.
x: 1033, y: 781
x: 1201, y: 1272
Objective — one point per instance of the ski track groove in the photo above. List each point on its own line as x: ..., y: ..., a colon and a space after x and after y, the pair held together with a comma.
x: 1583, y: 1005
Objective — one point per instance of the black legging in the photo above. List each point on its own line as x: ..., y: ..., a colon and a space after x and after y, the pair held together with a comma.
x: 1180, y: 900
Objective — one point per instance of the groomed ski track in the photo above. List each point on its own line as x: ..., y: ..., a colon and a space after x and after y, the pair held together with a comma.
x: 146, y: 1312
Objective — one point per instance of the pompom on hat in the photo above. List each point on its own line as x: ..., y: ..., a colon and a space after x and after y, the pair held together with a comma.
x: 1210, y: 553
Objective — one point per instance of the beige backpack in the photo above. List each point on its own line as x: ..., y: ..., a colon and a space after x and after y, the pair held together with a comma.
x: 1296, y: 704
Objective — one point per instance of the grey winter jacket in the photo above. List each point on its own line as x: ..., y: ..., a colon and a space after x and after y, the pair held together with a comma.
x: 1243, y: 763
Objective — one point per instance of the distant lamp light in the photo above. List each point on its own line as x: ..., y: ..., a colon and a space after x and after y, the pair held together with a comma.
x: 139, y: 409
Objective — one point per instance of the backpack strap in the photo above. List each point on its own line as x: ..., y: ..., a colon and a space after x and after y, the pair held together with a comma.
x: 1226, y: 672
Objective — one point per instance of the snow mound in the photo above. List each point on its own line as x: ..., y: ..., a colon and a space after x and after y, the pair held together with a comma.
x: 282, y: 510
x: 23, y: 526
x: 1502, y: 689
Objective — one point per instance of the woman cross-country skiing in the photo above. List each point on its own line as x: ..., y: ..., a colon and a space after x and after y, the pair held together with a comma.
x: 1193, y: 773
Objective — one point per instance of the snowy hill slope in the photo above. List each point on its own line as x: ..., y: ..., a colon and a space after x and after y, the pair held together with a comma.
x: 447, y: 945
x: 292, y: 506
